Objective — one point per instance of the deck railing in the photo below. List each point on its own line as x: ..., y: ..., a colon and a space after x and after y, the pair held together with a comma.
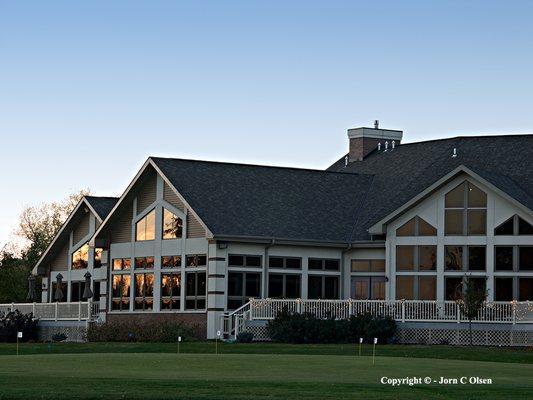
x: 400, y: 310
x: 74, y: 311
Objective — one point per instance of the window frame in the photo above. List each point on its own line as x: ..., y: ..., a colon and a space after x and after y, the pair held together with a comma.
x: 245, y: 258
x: 465, y: 211
x: 165, y: 210
x: 144, y: 218
x: 170, y: 273
x: 144, y: 298
x: 323, y: 286
x: 284, y: 261
x: 323, y: 262
x: 244, y: 298
x: 195, y: 297
x: 284, y: 284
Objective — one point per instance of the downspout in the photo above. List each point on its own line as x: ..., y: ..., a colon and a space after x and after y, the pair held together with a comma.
x: 347, y: 249
x: 265, y: 269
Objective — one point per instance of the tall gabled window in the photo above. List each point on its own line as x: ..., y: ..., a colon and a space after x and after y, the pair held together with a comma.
x: 145, y: 228
x: 514, y: 226
x: 465, y: 211
x: 80, y: 258
x: 172, y: 225
x: 416, y: 226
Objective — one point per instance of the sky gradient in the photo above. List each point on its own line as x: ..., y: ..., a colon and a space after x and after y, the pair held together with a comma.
x: 89, y: 90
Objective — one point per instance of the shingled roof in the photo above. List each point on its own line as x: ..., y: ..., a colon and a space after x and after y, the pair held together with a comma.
x: 343, y: 202
x: 400, y: 174
x: 241, y: 200
x: 102, y: 205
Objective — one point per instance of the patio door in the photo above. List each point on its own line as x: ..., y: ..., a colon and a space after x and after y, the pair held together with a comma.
x: 368, y: 288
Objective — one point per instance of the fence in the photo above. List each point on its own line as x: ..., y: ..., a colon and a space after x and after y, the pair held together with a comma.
x: 79, y: 311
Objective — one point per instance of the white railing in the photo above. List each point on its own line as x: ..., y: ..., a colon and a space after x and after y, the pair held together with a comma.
x: 400, y: 310
x: 78, y: 311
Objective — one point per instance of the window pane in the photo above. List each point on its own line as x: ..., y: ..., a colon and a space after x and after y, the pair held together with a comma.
x: 172, y: 225
x: 453, y: 258
x: 117, y: 264
x: 427, y: 258
x: 331, y: 287
x: 145, y: 228
x: 315, y: 287
x: 97, y: 262
x: 427, y: 287
x: 479, y: 283
x: 236, y: 261
x: 201, y: 276
x: 407, y: 229
x: 126, y: 285
x: 80, y: 258
x: 453, y: 287
x: 235, y: 284
x: 275, y: 262
x: 166, y: 285
x: 140, y: 230
x: 525, y: 289
x: 504, y: 258
x: 190, y: 285
x: 377, y: 265
x: 405, y: 258
x: 253, y: 261
x: 292, y: 286
x: 476, y: 197
x: 378, y: 288
x: 315, y: 263
x: 477, y: 258
x: 294, y: 263
x: 404, y: 287
x: 76, y: 291
x: 453, y: 223
x: 275, y: 285
x: 455, y: 198
x: 331, y: 265
x: 524, y: 228
x: 507, y: 228
x: 477, y: 222
x: 253, y: 285
x: 503, y: 289
x: 525, y: 258
x: 126, y: 263
x: 360, y: 288
x: 425, y: 229
x: 140, y: 262
x: 360, y: 265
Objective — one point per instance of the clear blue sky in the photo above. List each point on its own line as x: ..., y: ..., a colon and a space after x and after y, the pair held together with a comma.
x: 89, y: 89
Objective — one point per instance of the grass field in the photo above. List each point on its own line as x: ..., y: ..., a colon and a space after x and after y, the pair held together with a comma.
x: 257, y: 371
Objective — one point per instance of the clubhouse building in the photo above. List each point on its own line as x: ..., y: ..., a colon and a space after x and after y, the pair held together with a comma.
x: 194, y: 240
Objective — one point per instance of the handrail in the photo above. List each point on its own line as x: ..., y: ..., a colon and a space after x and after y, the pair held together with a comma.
x: 67, y: 311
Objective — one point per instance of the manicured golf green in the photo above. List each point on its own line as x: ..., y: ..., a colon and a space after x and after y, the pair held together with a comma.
x: 250, y: 376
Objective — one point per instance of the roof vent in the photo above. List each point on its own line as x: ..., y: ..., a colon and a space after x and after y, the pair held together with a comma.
x: 376, y: 124
x: 454, y: 152
x: 345, y: 161
x: 386, y: 145
x: 379, y: 146
x: 393, y: 144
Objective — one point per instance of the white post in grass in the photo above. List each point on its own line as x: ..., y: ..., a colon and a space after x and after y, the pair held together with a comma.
x: 216, y: 342
x: 374, y: 351
x: 360, y: 345
x: 179, y: 341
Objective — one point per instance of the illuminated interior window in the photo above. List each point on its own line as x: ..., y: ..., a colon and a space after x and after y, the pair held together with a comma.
x: 170, y: 291
x: 144, y: 291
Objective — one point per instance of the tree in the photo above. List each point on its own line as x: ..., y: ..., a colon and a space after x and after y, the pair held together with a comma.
x: 470, y: 299
x: 38, y: 225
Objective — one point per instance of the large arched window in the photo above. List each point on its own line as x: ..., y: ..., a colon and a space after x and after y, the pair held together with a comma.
x: 145, y: 228
x: 465, y: 211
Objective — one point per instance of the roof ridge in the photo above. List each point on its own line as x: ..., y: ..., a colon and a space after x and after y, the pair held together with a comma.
x: 487, y: 136
x: 321, y: 171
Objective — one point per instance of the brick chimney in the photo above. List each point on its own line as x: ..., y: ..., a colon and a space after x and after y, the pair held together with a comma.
x: 365, y: 140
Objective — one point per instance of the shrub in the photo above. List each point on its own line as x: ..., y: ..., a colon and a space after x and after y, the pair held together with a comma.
x: 307, y: 328
x: 134, y: 331
x: 59, y: 337
x: 14, y: 322
x: 245, y: 337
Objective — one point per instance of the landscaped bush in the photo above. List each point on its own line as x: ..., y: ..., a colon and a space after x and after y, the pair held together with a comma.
x: 59, y: 337
x: 14, y: 322
x: 306, y: 328
x: 133, y: 331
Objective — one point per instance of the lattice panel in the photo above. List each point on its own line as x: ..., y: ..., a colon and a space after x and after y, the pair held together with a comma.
x: 260, y: 332
x: 74, y: 333
x: 461, y: 337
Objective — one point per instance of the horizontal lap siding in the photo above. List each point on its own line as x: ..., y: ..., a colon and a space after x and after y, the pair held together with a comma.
x: 170, y: 197
x: 147, y: 192
x: 60, y: 262
x: 121, y: 226
x: 194, y: 228
x: 82, y: 229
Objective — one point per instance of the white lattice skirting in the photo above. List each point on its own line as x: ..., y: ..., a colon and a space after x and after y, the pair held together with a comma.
x: 436, y: 335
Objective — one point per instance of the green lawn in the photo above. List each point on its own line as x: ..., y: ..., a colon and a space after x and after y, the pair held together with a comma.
x: 256, y: 371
